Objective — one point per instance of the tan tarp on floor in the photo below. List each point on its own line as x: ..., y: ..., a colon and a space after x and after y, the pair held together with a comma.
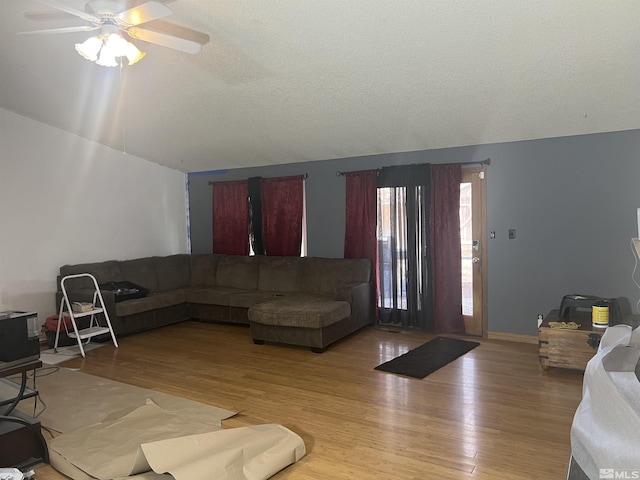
x: 113, y: 430
x: 150, y: 438
x: 75, y: 399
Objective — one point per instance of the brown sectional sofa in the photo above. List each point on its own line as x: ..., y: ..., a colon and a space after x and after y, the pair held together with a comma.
x: 321, y: 299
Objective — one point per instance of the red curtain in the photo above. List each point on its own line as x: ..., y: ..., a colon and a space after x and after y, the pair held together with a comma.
x: 445, y: 248
x: 360, y: 233
x: 360, y: 240
x: 230, y: 218
x: 282, y: 207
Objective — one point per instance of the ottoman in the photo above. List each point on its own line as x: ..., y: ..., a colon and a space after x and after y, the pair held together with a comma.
x: 313, y: 323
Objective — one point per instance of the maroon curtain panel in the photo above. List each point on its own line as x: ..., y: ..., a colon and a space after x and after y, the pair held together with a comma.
x: 230, y: 218
x: 282, y: 207
x: 445, y: 248
x: 360, y: 235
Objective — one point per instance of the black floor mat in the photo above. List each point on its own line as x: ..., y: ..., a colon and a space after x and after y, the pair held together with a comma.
x: 428, y: 358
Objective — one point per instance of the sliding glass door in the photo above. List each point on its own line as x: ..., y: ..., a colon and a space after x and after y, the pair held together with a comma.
x: 403, y: 239
x: 424, y: 282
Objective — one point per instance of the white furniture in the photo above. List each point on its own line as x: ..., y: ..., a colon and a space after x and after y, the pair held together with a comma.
x: 605, y: 433
x: 94, y: 329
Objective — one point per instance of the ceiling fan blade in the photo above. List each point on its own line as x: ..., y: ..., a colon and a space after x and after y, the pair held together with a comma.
x: 143, y: 13
x: 65, y: 8
x: 83, y: 28
x: 169, y: 41
x: 174, y: 30
x: 47, y: 16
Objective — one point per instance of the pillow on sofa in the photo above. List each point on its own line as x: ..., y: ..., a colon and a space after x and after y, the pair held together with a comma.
x: 108, y: 271
x: 325, y: 275
x: 140, y: 271
x: 238, y: 271
x: 282, y: 274
x: 203, y: 269
x: 173, y: 272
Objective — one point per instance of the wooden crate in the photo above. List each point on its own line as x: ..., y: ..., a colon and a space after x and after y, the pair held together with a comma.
x: 568, y: 348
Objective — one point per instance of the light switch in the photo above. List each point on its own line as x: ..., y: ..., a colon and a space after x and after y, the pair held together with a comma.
x: 512, y: 233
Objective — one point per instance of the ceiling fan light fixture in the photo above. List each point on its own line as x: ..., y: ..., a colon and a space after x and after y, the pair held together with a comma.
x: 133, y: 54
x: 115, y: 45
x: 104, y: 49
x: 106, y: 58
x: 90, y: 48
x: 114, y: 18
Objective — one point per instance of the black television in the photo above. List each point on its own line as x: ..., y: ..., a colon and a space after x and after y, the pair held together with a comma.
x: 17, y: 343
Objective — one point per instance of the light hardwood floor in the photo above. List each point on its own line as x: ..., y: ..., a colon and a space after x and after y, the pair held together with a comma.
x: 491, y: 414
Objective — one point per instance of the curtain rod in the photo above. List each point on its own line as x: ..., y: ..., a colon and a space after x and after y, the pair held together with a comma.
x: 480, y: 162
x: 304, y: 177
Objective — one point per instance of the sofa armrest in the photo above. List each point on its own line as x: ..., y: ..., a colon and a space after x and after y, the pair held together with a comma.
x: 346, y: 292
x: 359, y: 296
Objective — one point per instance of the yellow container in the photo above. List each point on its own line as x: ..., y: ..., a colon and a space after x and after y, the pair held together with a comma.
x: 600, y: 315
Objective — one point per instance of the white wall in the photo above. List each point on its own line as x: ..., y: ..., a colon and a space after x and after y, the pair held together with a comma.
x: 64, y: 199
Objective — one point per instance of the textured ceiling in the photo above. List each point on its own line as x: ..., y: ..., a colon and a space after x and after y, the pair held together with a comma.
x: 288, y: 81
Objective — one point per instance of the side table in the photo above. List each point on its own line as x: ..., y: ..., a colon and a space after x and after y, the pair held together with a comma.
x: 21, y: 442
x: 565, y: 348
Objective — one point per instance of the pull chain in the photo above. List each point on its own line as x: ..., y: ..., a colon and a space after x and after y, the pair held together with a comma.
x: 122, y: 103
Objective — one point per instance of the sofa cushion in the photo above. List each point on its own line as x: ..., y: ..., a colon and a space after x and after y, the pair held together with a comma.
x: 253, y: 297
x: 281, y: 274
x: 108, y: 271
x: 136, y: 305
x: 170, y: 298
x: 203, y: 269
x: 141, y: 271
x: 299, y: 313
x: 151, y: 302
x: 173, y: 272
x: 238, y: 271
x: 212, y: 295
x: 246, y: 299
x: 325, y: 275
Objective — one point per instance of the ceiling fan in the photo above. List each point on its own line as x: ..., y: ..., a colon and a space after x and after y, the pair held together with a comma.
x: 113, y: 17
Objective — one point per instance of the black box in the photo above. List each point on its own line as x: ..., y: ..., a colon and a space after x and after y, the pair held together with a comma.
x: 124, y: 290
x: 16, y: 342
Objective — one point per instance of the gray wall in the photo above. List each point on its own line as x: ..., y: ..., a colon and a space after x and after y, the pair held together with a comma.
x: 572, y: 201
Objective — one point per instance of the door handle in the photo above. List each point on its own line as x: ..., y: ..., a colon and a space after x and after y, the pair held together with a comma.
x: 475, y: 259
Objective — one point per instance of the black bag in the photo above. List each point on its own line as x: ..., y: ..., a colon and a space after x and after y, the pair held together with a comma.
x: 124, y: 290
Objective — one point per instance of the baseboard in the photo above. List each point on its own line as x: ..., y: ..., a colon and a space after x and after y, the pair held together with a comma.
x: 513, y: 337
